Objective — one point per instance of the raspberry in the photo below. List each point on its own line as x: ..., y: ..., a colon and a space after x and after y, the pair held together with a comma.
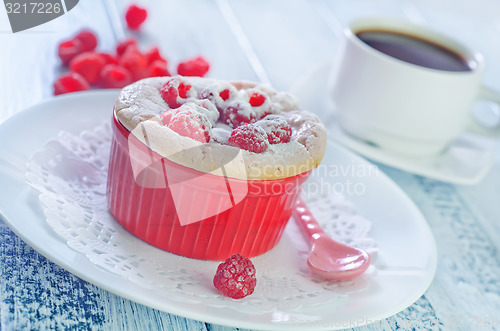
x: 167, y: 115
x: 123, y: 45
x: 238, y: 113
x: 134, y: 62
x: 188, y: 122
x: 135, y: 16
x: 68, y: 49
x: 84, y: 41
x: 278, y: 130
x: 108, y: 58
x: 224, y: 94
x: 70, y: 82
x: 218, y: 94
x: 153, y: 54
x: 235, y: 277
x: 197, y: 66
x: 257, y: 99
x: 88, y: 40
x: 158, y: 69
x: 175, y: 91
x: 89, y: 65
x: 249, y: 137
x: 115, y: 76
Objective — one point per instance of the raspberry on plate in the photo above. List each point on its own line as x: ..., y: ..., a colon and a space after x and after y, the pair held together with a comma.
x: 197, y: 66
x: 70, y: 82
x: 235, y: 277
x: 89, y: 65
x: 238, y: 113
x: 135, y: 16
x: 249, y: 137
x: 115, y: 76
x: 278, y: 130
x: 175, y: 92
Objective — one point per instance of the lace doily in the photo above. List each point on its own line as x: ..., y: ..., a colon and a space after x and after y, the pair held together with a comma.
x: 70, y: 173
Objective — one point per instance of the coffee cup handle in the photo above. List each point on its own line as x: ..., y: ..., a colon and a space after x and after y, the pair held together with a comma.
x: 485, y: 93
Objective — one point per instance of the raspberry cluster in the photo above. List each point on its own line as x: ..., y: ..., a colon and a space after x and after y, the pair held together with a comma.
x: 91, y: 68
x: 247, y: 112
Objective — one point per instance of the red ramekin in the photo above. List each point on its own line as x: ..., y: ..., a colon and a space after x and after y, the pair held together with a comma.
x: 250, y: 227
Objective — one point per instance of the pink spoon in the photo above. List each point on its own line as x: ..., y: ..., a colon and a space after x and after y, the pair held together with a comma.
x: 329, y: 258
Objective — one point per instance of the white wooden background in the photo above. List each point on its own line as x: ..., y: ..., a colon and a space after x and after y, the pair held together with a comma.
x: 270, y: 41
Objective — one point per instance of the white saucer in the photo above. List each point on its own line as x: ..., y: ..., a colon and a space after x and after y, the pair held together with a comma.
x: 467, y: 160
x: 406, y: 252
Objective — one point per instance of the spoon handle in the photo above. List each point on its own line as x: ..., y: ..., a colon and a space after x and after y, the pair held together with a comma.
x: 306, y: 219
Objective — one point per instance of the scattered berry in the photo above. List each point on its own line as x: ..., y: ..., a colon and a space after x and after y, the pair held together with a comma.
x: 249, y: 137
x: 238, y: 113
x: 129, y: 64
x: 134, y: 62
x: 135, y: 16
x: 188, y: 122
x: 158, y: 69
x: 108, y: 58
x: 68, y: 49
x: 277, y: 129
x: 123, y: 45
x: 257, y: 99
x: 88, y: 40
x: 235, y: 277
x: 70, y: 82
x: 175, y: 92
x: 89, y: 65
x: 115, y: 76
x: 197, y: 66
x: 153, y: 54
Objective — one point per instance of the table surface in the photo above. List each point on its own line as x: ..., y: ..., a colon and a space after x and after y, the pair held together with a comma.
x: 275, y: 42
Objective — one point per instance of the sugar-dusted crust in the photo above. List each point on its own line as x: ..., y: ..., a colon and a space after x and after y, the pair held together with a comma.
x: 140, y: 104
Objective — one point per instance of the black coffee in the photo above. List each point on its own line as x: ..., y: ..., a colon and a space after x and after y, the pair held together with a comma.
x: 414, y: 50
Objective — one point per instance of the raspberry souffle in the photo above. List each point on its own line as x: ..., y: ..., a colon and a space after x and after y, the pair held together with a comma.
x: 206, y: 168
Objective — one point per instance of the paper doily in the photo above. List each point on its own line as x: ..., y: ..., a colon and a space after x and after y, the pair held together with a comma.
x: 70, y: 173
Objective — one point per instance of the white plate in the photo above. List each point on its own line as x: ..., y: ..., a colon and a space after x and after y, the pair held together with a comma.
x: 466, y: 161
x: 404, y: 268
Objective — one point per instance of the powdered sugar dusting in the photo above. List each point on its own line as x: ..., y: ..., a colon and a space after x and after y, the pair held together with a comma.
x: 222, y: 108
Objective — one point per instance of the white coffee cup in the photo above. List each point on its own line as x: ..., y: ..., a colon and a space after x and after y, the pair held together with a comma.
x: 404, y: 107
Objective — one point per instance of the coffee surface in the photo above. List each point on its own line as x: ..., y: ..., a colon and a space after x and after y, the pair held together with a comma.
x: 414, y: 50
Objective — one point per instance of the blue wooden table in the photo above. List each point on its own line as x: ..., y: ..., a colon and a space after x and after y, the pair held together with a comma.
x: 276, y: 42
